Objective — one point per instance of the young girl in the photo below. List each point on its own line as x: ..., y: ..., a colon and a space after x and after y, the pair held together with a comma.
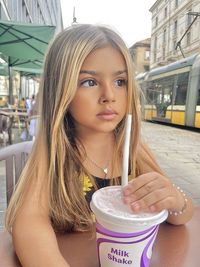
x: 86, y: 92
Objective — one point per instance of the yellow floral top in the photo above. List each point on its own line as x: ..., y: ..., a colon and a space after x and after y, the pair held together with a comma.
x: 89, y: 189
x: 87, y: 185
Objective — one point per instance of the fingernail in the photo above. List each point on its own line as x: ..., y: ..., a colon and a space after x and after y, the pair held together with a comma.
x: 126, y: 192
x: 135, y: 206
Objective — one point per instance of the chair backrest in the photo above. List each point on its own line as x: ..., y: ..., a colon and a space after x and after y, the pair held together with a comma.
x: 15, y: 157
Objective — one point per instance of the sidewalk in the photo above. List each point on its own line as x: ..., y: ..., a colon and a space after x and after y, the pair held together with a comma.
x: 178, y: 153
x: 176, y: 150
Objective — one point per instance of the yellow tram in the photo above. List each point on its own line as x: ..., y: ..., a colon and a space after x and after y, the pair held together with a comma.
x: 172, y: 93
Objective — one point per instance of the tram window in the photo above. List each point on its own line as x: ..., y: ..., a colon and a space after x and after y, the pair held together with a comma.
x: 180, y: 90
x: 149, y: 96
x: 198, y: 98
x: 159, y: 93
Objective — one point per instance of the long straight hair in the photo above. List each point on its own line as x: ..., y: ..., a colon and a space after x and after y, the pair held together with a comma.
x: 55, y: 154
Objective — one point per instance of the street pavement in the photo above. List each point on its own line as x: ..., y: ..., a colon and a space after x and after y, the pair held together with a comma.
x: 178, y: 153
x: 176, y: 150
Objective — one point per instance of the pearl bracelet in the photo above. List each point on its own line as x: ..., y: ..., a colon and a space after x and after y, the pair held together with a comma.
x: 180, y: 212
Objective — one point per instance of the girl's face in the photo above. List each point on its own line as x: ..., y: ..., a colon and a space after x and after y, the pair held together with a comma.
x: 101, y: 97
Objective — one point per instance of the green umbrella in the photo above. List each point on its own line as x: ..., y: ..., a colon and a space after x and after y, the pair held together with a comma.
x: 21, y: 41
x: 28, y: 70
x: 24, y: 45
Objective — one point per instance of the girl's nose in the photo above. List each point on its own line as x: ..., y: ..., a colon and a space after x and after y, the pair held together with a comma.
x: 107, y: 94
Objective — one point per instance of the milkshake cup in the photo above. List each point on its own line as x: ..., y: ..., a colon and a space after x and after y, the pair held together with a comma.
x: 124, y: 238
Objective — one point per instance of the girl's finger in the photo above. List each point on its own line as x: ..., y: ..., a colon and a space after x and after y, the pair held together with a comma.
x: 147, y: 189
x: 149, y: 202
x: 139, y: 182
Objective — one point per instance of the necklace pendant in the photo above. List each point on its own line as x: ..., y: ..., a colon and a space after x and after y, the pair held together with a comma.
x: 105, y: 170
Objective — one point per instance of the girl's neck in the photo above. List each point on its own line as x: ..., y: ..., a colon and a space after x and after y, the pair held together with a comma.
x: 98, y: 156
x: 97, y: 139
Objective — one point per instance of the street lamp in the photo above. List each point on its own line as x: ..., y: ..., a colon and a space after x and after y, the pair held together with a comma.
x: 74, y: 22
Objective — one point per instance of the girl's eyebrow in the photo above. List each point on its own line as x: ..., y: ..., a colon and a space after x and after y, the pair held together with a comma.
x: 121, y: 72
x: 88, y: 72
x: 92, y: 72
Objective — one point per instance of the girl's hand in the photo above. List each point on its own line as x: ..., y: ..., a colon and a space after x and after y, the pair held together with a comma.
x: 152, y: 192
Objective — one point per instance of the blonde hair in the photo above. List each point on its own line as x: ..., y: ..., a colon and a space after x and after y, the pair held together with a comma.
x: 59, y: 159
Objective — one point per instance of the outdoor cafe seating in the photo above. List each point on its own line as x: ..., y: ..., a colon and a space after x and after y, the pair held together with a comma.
x: 11, y: 118
x: 175, y: 246
x: 14, y: 158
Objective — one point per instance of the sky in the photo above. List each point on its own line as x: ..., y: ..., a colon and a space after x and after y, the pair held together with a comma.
x: 130, y: 18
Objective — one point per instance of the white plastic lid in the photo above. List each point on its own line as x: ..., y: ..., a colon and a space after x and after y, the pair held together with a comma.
x: 107, y: 204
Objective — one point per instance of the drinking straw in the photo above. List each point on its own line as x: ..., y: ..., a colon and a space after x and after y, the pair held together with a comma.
x: 125, y: 164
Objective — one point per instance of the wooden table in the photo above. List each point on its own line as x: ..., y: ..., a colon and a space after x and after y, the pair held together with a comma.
x: 175, y: 246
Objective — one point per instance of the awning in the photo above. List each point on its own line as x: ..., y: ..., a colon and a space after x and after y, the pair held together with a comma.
x: 24, y: 45
x: 21, y: 42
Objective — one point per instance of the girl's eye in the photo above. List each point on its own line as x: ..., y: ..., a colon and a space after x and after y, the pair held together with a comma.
x: 121, y: 82
x: 88, y: 83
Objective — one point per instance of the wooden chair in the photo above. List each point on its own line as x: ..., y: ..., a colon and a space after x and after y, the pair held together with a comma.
x: 15, y: 157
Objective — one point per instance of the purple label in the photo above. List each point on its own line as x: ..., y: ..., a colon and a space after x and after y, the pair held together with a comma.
x: 104, y: 231
x: 120, y: 252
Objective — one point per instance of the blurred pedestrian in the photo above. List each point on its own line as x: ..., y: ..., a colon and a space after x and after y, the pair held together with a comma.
x: 33, y: 117
x: 28, y: 104
x: 22, y: 103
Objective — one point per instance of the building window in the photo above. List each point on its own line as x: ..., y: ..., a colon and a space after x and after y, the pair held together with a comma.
x: 175, y: 27
x: 19, y: 14
x: 155, y: 49
x: 23, y: 11
x: 164, y: 36
x: 14, y: 9
x: 165, y: 16
x: 163, y: 53
x: 156, y: 23
x: 174, y: 45
x: 147, y: 55
x: 189, y: 18
x: 188, y: 38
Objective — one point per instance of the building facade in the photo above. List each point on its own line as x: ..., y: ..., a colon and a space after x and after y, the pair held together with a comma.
x: 172, y: 25
x: 140, y: 53
x: 45, y: 12
x: 39, y: 12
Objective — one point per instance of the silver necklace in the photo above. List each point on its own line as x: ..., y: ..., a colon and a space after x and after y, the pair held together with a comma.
x: 105, y: 169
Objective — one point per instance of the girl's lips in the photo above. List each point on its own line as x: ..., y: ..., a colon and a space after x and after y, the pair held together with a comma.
x: 107, y: 115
